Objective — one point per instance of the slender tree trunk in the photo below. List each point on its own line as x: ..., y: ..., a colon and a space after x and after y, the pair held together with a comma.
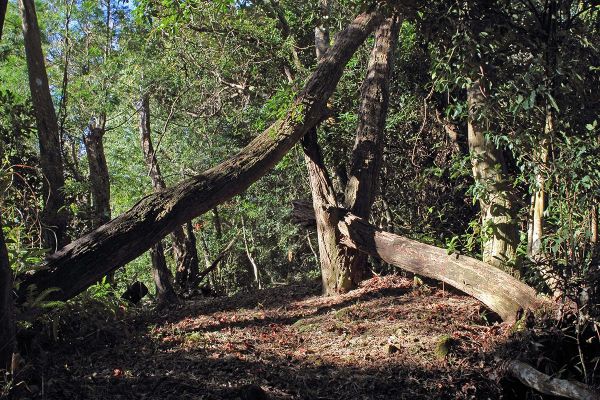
x: 160, y: 270
x: 7, y: 316
x: 368, y: 147
x: 594, y: 227
x: 538, y: 199
x: 54, y: 216
x: 498, y: 217
x: 250, y: 258
x: 87, y: 259
x: 99, y: 177
x: 542, y: 152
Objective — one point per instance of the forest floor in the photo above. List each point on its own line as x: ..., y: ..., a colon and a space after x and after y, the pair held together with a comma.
x: 387, y: 340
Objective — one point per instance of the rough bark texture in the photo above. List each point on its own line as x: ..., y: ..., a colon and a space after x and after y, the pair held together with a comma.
x: 7, y: 316
x: 334, y: 274
x: 368, y: 148
x: 499, y: 291
x: 343, y: 268
x: 489, y: 171
x: 335, y: 278
x: 161, y: 275
x: 54, y: 216
x: 545, y: 384
x: 187, y: 277
x: 99, y: 179
x: 81, y: 263
x: 160, y: 270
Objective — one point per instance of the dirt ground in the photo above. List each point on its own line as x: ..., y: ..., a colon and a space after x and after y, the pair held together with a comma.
x: 389, y: 339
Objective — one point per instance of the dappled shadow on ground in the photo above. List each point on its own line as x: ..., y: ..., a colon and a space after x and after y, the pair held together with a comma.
x: 384, y: 340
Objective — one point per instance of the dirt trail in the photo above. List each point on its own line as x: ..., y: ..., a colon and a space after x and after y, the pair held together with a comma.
x: 386, y: 340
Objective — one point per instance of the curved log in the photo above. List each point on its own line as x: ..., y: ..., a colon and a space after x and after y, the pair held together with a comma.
x: 499, y: 291
x: 83, y: 262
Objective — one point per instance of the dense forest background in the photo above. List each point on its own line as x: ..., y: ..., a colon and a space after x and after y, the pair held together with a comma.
x: 489, y: 144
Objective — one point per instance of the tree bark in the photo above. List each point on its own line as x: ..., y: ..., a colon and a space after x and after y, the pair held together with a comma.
x: 499, y: 291
x: 84, y: 261
x: 368, y: 148
x: 188, y: 276
x: 344, y: 268
x: 334, y: 274
x: 99, y: 178
x: 545, y: 384
x: 160, y: 270
x: 500, y: 230
x: 7, y: 316
x: 162, y: 276
x: 335, y: 279
x: 54, y: 216
x: 184, y: 248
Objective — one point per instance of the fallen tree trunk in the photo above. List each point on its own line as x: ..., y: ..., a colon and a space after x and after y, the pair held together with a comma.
x: 83, y: 262
x: 545, y: 384
x: 499, y: 291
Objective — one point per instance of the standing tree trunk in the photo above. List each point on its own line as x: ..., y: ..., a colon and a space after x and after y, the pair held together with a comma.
x: 54, y: 216
x: 542, y: 151
x: 190, y: 273
x: 538, y: 199
x: 184, y: 250
x: 368, y: 147
x: 161, y: 275
x: 124, y: 238
x: 343, y: 268
x: 99, y: 178
x: 7, y: 317
x: 160, y: 270
x: 333, y: 275
x: 500, y: 230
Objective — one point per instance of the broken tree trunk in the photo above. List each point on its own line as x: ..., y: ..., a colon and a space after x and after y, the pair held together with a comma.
x: 161, y: 275
x: 80, y: 264
x: 545, y: 384
x: 499, y: 291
